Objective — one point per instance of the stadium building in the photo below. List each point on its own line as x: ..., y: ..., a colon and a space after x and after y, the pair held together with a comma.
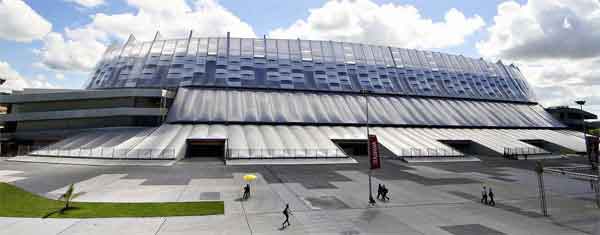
x: 260, y: 98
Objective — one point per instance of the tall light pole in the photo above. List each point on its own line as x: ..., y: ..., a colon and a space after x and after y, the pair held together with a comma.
x: 581, y: 103
x: 365, y: 93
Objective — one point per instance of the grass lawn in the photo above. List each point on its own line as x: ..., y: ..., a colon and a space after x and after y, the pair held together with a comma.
x: 16, y: 202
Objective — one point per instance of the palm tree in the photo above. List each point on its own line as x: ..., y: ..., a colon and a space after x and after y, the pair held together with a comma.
x: 68, y: 196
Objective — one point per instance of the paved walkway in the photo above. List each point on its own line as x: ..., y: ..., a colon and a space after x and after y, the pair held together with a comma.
x: 427, y: 198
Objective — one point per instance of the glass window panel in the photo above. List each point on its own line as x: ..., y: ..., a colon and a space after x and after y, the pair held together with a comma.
x: 202, y: 46
x: 146, y: 48
x: 259, y: 47
x: 222, y: 51
x: 422, y: 59
x: 247, y: 47
x: 193, y: 47
x: 483, y: 66
x: 306, y: 51
x: 359, y: 55
x: 169, y: 48
x: 338, y: 52
x: 234, y: 47
x: 451, y: 62
x: 430, y: 62
x: 136, y: 50
x: 439, y: 61
x: 327, y: 51
x: 413, y: 58
x: 294, y: 46
x: 459, y: 65
x: 405, y: 55
x: 368, y: 54
x: 317, y: 52
x: 463, y: 64
x: 283, y: 49
x: 127, y: 51
x: 377, y: 56
x: 470, y: 66
x: 349, y: 56
x: 157, y: 48
x: 387, y: 56
x: 212, y: 46
x: 181, y: 48
x: 271, y: 48
x: 397, y: 57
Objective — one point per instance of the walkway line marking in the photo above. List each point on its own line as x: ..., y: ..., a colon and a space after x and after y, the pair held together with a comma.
x: 246, y: 216
x: 161, y: 225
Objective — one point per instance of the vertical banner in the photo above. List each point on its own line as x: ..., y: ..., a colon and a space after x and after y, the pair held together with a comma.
x: 374, y: 152
x: 592, y: 148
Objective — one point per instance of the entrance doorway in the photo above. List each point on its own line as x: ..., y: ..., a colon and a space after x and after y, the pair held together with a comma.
x: 205, y: 148
x: 355, y: 147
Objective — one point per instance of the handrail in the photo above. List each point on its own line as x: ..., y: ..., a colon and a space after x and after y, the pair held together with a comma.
x: 429, y: 152
x: 278, y: 153
x: 99, y: 152
x: 515, y: 153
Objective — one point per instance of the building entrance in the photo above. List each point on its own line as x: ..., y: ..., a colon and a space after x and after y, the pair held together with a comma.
x: 205, y: 148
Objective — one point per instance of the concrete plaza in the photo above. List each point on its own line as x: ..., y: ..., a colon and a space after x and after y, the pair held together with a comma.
x: 426, y: 198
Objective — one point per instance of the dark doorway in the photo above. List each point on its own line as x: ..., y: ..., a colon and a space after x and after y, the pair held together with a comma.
x: 469, y: 147
x: 548, y: 146
x: 353, y: 147
x: 206, y: 148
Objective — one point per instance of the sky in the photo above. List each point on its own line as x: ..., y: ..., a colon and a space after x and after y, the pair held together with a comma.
x: 555, y: 43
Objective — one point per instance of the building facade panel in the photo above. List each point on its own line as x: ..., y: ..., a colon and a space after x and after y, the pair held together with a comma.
x: 193, y: 105
x: 306, y: 65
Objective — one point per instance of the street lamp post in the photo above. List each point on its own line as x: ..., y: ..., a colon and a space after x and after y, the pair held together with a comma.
x: 365, y: 93
x: 581, y: 103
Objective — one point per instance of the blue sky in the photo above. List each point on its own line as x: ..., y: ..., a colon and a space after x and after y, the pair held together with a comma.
x: 556, y: 76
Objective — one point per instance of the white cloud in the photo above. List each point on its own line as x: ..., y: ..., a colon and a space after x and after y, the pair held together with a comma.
x: 20, y: 22
x: 176, y: 19
x: 59, y: 76
x: 545, y: 29
x: 87, y: 3
x: 556, y: 45
x: 388, y: 24
x: 14, y: 80
x: 79, y: 49
x: 72, y: 54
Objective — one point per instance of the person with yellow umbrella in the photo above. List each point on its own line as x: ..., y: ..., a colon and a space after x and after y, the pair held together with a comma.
x: 248, y: 178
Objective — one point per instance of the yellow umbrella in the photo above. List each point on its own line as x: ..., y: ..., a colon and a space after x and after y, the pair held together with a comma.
x: 249, y: 177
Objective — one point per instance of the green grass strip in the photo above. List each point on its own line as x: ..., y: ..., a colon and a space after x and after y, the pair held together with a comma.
x: 16, y: 202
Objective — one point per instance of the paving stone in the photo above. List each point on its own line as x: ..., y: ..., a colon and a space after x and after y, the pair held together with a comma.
x: 214, y: 196
x: 471, y: 229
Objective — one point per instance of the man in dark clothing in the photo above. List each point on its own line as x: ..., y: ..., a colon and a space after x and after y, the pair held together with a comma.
x: 384, y: 192
x: 246, y: 192
x: 286, y: 213
x: 491, y: 196
x: 379, y: 191
x: 484, y: 196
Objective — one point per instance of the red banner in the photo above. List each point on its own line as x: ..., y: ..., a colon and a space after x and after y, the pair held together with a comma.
x: 374, y: 152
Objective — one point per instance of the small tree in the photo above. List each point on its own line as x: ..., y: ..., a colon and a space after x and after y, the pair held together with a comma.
x: 68, y: 196
x: 595, y: 132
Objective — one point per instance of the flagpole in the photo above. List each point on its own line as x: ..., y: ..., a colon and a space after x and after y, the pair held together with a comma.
x: 371, y: 200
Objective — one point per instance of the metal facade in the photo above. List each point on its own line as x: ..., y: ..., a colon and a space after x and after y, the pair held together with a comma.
x: 215, y: 105
x: 305, y: 65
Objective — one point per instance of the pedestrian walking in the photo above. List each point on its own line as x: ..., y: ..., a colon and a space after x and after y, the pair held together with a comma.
x: 491, y: 196
x: 286, y: 213
x: 484, y: 196
x: 384, y: 193
x: 246, y: 192
x: 379, y: 191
